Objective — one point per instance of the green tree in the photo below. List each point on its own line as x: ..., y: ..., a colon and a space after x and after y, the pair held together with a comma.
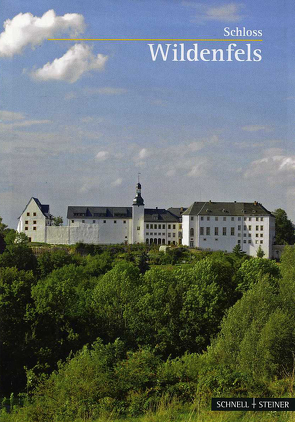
x: 253, y: 270
x: 284, y: 228
x: 17, y: 253
x: 15, y: 297
x: 58, y: 221
x: 260, y: 253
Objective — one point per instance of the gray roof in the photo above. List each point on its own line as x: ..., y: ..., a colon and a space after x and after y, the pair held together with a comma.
x: 43, y: 208
x: 161, y: 215
x: 227, y: 208
x: 99, y: 212
x: 177, y: 211
x: 150, y: 214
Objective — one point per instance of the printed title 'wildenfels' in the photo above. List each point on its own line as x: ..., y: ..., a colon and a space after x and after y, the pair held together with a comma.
x: 180, y: 53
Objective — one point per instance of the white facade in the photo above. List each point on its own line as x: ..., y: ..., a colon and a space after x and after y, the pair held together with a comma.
x: 224, y: 232
x: 207, y: 226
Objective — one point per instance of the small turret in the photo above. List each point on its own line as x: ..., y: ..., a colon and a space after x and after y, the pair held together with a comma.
x: 138, y: 200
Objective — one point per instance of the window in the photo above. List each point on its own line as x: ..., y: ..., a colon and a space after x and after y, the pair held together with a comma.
x: 155, y: 226
x: 73, y: 221
x: 245, y: 227
x: 205, y: 239
x: 27, y: 222
x: 28, y: 214
x: 245, y: 218
x: 180, y: 226
x: 232, y: 231
x: 250, y: 227
x: 163, y: 226
x: 147, y: 226
x: 250, y: 218
x: 192, y: 232
x: 152, y: 226
x: 104, y: 221
x: 216, y: 231
x: 249, y: 241
x: 115, y: 221
x: 261, y: 227
x: 261, y: 219
x: 261, y: 234
x: 257, y: 227
x: 245, y: 234
x: 147, y: 234
x: 26, y: 228
x: 34, y: 228
x: 202, y: 218
x: 257, y: 235
x: 34, y: 222
x: 94, y: 221
x: 216, y: 239
x: 169, y: 226
x: 257, y: 218
x: 239, y: 234
x: 34, y: 214
x: 208, y: 218
x: 249, y: 235
x: 239, y: 241
x: 256, y: 241
x: 224, y: 218
x: 173, y: 234
x: 245, y: 241
x: 202, y: 231
x: 83, y: 221
x: 232, y: 218
x: 216, y: 218
x: 239, y: 227
x: 169, y: 234
x: 192, y: 218
x: 261, y: 242
x: 138, y: 227
x: 174, y: 227
x: 239, y: 218
x: 124, y: 221
x: 224, y: 230
x: 208, y: 231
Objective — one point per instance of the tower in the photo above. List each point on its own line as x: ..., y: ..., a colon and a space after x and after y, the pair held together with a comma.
x: 138, y: 216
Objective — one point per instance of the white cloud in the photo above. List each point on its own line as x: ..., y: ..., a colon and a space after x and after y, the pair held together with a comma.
x: 10, y: 116
x: 143, y: 153
x: 102, y: 155
x: 198, y: 169
x: 275, y: 166
x: 108, y: 90
x: 25, y: 29
x: 117, y: 182
x: 72, y: 65
x: 228, y: 12
x: 256, y: 128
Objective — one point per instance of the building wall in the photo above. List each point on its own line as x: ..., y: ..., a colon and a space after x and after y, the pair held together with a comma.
x: 32, y: 222
x: 111, y: 230
x: 162, y: 233
x: 250, y: 232
x: 138, y: 224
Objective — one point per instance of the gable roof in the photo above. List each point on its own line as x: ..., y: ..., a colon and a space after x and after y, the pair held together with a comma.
x: 43, y: 208
x: 227, y: 208
x: 156, y: 214
x: 98, y: 212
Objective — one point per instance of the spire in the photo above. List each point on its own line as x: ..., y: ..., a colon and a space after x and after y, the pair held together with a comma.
x: 138, y: 200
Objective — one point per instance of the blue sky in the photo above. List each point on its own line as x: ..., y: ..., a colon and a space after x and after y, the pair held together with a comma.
x: 78, y: 121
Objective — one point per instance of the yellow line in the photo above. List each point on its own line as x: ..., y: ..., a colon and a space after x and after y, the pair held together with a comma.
x: 150, y: 39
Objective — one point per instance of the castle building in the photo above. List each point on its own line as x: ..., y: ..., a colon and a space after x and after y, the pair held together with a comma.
x: 205, y: 225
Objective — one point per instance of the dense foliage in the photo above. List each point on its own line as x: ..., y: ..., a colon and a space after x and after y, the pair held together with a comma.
x: 89, y: 330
